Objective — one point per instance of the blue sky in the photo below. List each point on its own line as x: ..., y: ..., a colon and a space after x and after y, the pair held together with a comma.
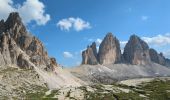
x: 66, y: 27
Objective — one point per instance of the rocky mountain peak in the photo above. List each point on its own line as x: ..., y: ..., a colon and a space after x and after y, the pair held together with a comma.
x: 109, y: 50
x: 157, y: 58
x: 14, y: 21
x: 19, y: 47
x: 138, y: 43
x: 93, y: 46
x: 14, y: 18
x: 89, y: 55
x: 136, y: 51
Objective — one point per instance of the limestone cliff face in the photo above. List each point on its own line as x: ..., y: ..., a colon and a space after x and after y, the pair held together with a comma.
x: 109, y: 50
x: 158, y: 58
x: 19, y: 47
x: 89, y: 55
x: 136, y: 51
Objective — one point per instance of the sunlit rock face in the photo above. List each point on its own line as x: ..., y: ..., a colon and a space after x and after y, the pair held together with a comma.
x: 136, y: 51
x: 89, y: 55
x: 109, y: 50
x: 19, y: 47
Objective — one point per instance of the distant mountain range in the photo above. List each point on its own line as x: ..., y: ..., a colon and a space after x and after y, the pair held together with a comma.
x: 136, y: 52
x: 109, y: 64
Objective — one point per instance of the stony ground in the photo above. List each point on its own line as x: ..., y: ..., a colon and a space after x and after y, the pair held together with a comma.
x: 17, y: 83
x: 155, y: 89
x: 27, y: 84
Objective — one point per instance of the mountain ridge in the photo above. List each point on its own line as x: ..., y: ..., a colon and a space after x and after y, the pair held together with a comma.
x: 14, y: 36
x: 136, y: 52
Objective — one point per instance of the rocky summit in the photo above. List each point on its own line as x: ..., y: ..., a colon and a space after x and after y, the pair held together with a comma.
x: 19, y: 47
x: 89, y: 56
x: 109, y: 52
x: 136, y: 51
x: 158, y: 58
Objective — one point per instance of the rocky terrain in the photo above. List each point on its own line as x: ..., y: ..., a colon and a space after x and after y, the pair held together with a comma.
x: 109, y: 52
x: 136, y: 51
x: 18, y: 46
x: 25, y: 66
x: 137, y: 61
x: 135, y: 89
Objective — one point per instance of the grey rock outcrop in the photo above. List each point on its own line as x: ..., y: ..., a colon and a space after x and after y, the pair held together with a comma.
x: 19, y: 47
x: 93, y: 46
x: 89, y: 55
x: 136, y: 51
x: 167, y: 62
x: 159, y: 58
x: 109, y: 50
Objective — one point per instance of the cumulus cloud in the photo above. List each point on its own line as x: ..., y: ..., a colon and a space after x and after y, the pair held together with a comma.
x: 67, y: 54
x: 30, y: 10
x: 158, y: 40
x: 77, y: 24
x: 167, y: 53
x: 98, y: 41
x: 34, y: 10
x: 122, y: 45
x: 6, y: 6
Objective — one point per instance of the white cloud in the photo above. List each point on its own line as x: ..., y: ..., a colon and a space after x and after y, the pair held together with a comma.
x: 34, y: 10
x: 98, y: 41
x: 5, y: 8
x: 159, y: 40
x: 167, y: 53
x: 64, y: 24
x: 77, y: 24
x: 67, y: 54
x: 123, y: 43
x: 97, y: 48
x: 144, y: 18
x: 30, y: 10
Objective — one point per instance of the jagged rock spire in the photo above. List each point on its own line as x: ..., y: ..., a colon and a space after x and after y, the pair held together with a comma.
x: 109, y: 50
x: 136, y: 51
x: 89, y: 55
